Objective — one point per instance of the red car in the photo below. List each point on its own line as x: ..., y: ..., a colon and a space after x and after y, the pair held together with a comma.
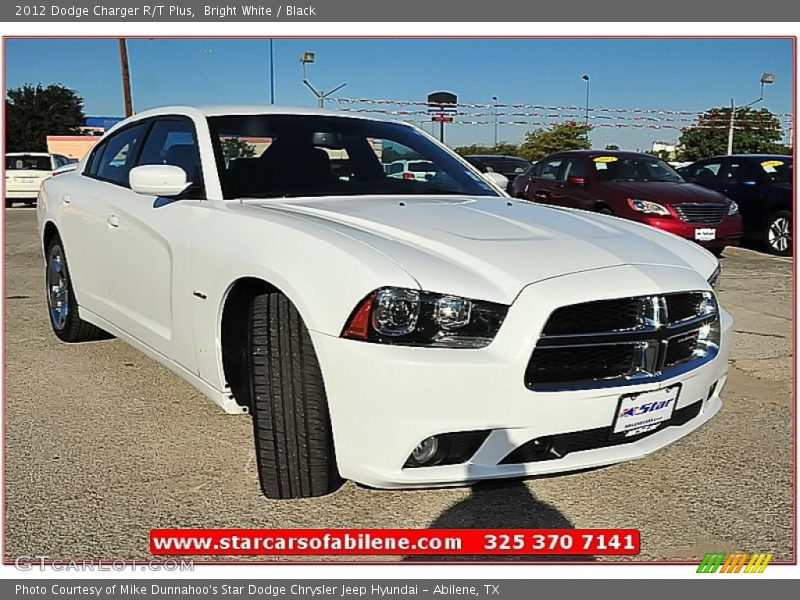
x: 633, y: 186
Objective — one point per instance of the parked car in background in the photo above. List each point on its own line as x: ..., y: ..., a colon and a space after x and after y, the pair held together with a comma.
x: 420, y: 170
x: 761, y: 184
x: 25, y: 172
x: 508, y: 166
x: 498, y: 179
x: 397, y: 332
x: 634, y: 186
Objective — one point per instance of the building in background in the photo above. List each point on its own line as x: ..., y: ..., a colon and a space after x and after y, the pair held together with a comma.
x: 665, y: 150
x: 77, y: 146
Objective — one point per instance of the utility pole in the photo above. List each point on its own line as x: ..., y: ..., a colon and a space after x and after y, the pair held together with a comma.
x: 126, y: 77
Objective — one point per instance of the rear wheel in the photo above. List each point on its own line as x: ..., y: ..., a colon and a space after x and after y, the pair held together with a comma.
x: 604, y: 210
x: 61, y: 304
x: 778, y: 233
x: 291, y: 423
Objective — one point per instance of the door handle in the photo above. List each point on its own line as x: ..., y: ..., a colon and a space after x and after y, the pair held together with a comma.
x: 113, y: 220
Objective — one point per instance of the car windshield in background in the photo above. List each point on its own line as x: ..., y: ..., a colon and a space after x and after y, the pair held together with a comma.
x: 779, y: 170
x: 636, y: 168
x: 276, y: 156
x: 28, y: 163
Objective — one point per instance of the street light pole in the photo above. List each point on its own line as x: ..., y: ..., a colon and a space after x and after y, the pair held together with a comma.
x: 271, y: 71
x: 766, y: 79
x: 585, y: 77
x: 308, y: 58
x: 494, y: 100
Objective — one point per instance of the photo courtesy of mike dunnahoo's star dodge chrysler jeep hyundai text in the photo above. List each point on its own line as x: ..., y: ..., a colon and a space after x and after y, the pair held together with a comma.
x: 396, y: 331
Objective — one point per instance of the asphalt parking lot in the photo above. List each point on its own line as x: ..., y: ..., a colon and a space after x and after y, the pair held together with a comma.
x: 103, y: 444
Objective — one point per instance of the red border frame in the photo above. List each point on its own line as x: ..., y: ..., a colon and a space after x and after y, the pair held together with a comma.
x: 281, y: 561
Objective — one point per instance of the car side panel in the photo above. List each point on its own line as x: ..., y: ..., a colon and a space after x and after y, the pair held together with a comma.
x: 313, y: 265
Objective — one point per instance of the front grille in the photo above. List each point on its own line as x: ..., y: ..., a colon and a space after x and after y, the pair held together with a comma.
x: 603, y: 315
x: 558, y: 446
x: 624, y: 341
x: 701, y: 213
x: 551, y: 365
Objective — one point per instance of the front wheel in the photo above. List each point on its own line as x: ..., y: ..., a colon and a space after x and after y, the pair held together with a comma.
x: 61, y: 304
x: 291, y: 423
x: 778, y: 233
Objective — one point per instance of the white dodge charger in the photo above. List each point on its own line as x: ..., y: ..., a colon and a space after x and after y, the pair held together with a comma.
x: 396, y: 332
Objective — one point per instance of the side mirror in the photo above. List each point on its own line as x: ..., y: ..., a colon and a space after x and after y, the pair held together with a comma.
x: 575, y: 180
x: 158, y: 180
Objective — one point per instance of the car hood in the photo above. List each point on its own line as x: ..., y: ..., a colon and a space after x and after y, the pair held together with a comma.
x: 490, y: 248
x: 666, y: 192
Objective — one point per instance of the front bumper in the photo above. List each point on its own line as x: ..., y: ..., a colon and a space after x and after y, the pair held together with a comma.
x: 384, y: 400
x: 727, y: 233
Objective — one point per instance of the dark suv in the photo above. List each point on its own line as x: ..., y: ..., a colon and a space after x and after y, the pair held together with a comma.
x: 761, y: 184
x: 634, y: 186
x: 509, y: 166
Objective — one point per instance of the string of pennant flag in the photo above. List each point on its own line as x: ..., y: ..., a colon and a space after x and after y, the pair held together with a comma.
x: 532, y: 115
x: 384, y: 101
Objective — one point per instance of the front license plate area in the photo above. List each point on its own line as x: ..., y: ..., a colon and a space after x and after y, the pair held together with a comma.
x: 643, y: 412
x: 705, y: 234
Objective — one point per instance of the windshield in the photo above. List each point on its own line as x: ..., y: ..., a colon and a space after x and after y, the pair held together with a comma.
x: 276, y: 156
x: 778, y: 170
x: 27, y: 162
x: 633, y: 168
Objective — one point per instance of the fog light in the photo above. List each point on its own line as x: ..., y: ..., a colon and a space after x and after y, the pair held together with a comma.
x: 425, y: 450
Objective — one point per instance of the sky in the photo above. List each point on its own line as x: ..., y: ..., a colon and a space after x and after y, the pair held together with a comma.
x: 655, y: 74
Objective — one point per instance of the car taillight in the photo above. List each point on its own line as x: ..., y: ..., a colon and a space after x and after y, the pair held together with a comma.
x: 408, y: 176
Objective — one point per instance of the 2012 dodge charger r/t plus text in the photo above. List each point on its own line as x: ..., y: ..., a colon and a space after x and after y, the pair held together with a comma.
x: 396, y: 332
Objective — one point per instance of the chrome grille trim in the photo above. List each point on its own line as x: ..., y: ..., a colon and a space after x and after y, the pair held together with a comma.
x: 651, y: 337
x: 701, y: 213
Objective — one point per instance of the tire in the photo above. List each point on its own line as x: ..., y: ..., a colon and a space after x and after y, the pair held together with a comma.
x: 291, y: 423
x: 62, y: 307
x: 777, y: 234
x: 717, y: 251
x: 604, y: 210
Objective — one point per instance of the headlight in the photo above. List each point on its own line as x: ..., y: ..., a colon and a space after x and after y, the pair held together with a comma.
x: 647, y: 207
x: 733, y: 209
x: 414, y: 318
x: 713, y: 281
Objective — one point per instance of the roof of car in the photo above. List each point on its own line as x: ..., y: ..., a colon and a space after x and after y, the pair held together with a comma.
x: 27, y: 154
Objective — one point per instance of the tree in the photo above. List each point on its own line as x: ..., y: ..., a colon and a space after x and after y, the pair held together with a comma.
x: 756, y: 132
x: 233, y: 147
x: 34, y: 112
x: 561, y: 136
x: 502, y: 148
